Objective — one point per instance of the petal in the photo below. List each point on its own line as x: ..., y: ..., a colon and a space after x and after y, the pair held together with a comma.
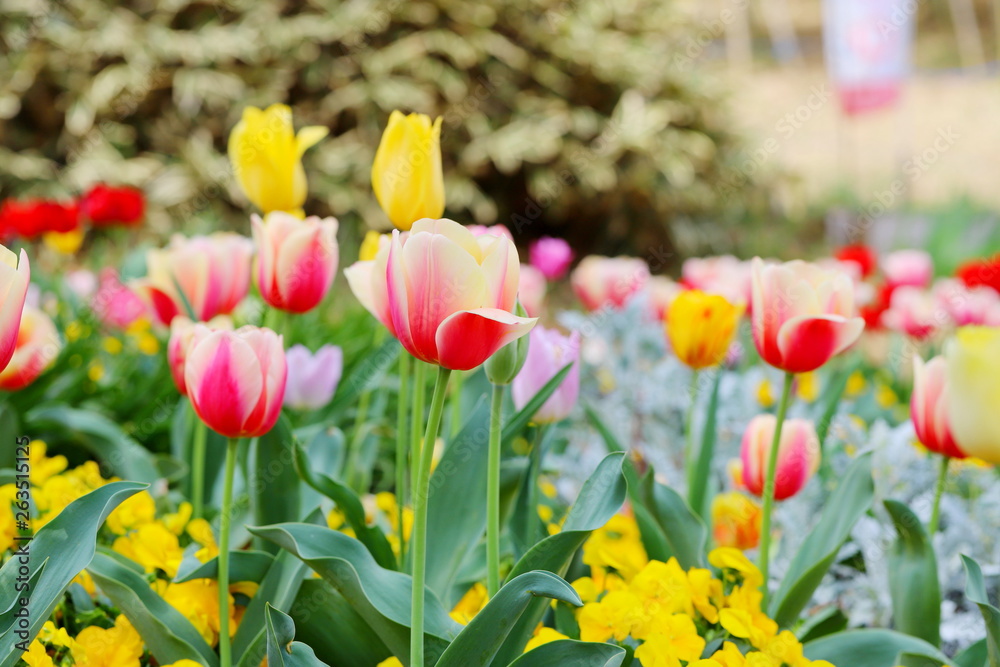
x: 224, y: 380
x: 309, y: 137
x: 502, y: 271
x: 467, y: 339
x: 806, y: 342
x: 15, y: 285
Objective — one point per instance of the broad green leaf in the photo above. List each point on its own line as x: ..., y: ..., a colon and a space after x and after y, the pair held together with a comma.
x: 59, y: 551
x: 609, y: 438
x: 913, y: 577
x: 821, y: 624
x: 869, y: 648
x: 168, y: 635
x: 327, y: 622
x: 476, y: 645
x: 851, y: 499
x: 282, y: 650
x: 244, y: 565
x: 274, y: 484
x: 570, y: 653
x: 683, y: 530
x: 975, y: 591
x: 697, y: 494
x: 830, y: 400
x: 975, y: 655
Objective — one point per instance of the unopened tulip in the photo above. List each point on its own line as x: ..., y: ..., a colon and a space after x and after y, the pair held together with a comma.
x: 531, y: 290
x: 973, y: 379
x: 600, y: 282
x: 802, y: 315
x: 181, y: 335
x: 212, y: 272
x: 38, y: 345
x: 446, y: 295
x: 915, y: 312
x: 701, y: 327
x: 551, y: 256
x: 548, y: 352
x: 406, y: 175
x: 929, y: 407
x: 236, y: 379
x: 798, y: 455
x: 312, y: 378
x: 117, y: 305
x: 914, y: 268
x: 296, y: 260
x: 266, y: 155
x: 14, y: 278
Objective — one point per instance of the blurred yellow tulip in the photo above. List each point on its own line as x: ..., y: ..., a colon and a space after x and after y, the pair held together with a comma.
x: 700, y: 327
x: 266, y: 155
x: 973, y: 378
x: 406, y: 175
x: 369, y: 246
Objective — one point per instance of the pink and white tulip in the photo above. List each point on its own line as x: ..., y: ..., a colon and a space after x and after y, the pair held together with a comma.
x: 236, y: 379
x: 38, y: 345
x: 551, y: 256
x: 725, y: 275
x: 181, y: 335
x: 548, y: 352
x: 662, y: 292
x: 312, y: 378
x: 447, y: 295
x: 914, y: 268
x: 915, y: 312
x: 979, y: 305
x: 116, y: 305
x: 929, y: 407
x: 798, y: 455
x: 802, y: 316
x: 15, y: 275
x: 531, y: 290
x: 296, y: 259
x: 600, y: 282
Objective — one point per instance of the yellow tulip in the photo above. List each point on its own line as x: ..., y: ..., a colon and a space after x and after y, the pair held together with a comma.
x: 65, y: 243
x: 266, y: 155
x: 406, y: 175
x: 701, y: 326
x: 973, y: 378
x: 370, y: 246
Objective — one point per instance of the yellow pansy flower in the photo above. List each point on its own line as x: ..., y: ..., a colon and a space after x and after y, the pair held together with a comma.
x: 765, y: 395
x: 543, y: 635
x: 471, y: 604
x: 701, y: 327
x: 118, y: 646
x: 807, y: 387
x: 153, y: 546
x: 64, y: 243
x: 675, y: 639
x: 406, y: 175
x: 37, y: 656
x: 136, y: 511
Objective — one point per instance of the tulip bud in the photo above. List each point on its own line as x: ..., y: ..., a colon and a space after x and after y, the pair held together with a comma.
x: 600, y: 282
x: 548, y: 352
x: 531, y: 290
x: 929, y: 409
x: 406, y: 175
x: 312, y: 378
x: 913, y: 268
x: 700, y: 328
x: 296, y: 260
x: 38, y: 345
x: 551, y: 256
x: 973, y: 391
x: 506, y: 363
x: 14, y: 278
x: 798, y: 455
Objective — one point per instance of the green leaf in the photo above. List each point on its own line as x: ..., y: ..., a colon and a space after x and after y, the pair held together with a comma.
x: 913, y: 577
x: 683, y: 530
x: 327, y: 622
x: 821, y: 624
x: 60, y: 550
x: 119, y: 454
x: 274, y: 484
x: 830, y: 400
x: 380, y: 596
x: 569, y: 653
x: 975, y: 655
x: 869, y: 648
x: 168, y: 635
x: 851, y: 499
x: 325, y: 449
x: 476, y: 645
x: 975, y: 591
x: 282, y: 650
x: 243, y: 566
x: 697, y: 494
x: 524, y: 415
x: 609, y: 438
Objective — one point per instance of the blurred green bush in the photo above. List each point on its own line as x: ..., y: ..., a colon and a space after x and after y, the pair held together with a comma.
x: 580, y: 118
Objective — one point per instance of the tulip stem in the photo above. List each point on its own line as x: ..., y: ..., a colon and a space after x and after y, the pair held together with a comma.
x: 420, y: 494
x: 689, y: 453
x: 419, y: 392
x: 227, y: 509
x: 769, y: 484
x: 932, y: 527
x: 198, y: 469
x: 402, y: 408
x: 456, y: 404
x: 493, y: 495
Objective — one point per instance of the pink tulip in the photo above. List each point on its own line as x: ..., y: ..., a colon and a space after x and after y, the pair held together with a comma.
x: 531, y: 290
x: 82, y: 283
x: 662, y: 292
x: 915, y: 312
x: 798, y: 455
x: 979, y: 305
x: 908, y: 267
x: 608, y: 281
x: 38, y: 345
x: 312, y: 378
x: 929, y: 407
x: 181, y: 334
x: 296, y: 259
x: 236, y: 379
x: 724, y: 275
x: 212, y: 272
x: 447, y: 295
x: 548, y: 352
x: 490, y: 230
x: 14, y: 278
x: 551, y: 256
x: 116, y: 305
x: 802, y: 315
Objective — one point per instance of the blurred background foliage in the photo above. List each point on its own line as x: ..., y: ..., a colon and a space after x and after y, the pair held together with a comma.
x: 567, y: 117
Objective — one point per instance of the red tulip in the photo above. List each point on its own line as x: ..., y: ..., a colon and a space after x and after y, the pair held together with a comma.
x: 865, y: 258
x: 105, y: 206
x: 798, y: 455
x: 181, y: 335
x: 31, y: 218
x: 14, y: 278
x: 929, y: 407
x: 296, y: 260
x: 38, y: 345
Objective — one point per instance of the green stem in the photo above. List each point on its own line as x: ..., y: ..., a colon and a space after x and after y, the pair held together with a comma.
x: 198, y: 470
x: 227, y: 510
x: 419, y: 545
x: 402, y: 408
x: 772, y: 468
x: 493, y: 495
x: 417, y: 422
x: 689, y: 450
x: 932, y: 527
x: 456, y: 404
x: 353, y: 476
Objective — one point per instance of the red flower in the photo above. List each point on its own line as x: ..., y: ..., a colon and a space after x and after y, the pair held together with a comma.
x: 978, y: 272
x: 872, y: 311
x: 105, y: 206
x: 31, y: 218
x: 861, y: 255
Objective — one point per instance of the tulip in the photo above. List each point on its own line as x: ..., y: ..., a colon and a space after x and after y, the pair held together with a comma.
x: 802, y: 315
x: 735, y: 521
x: 446, y: 295
x: 116, y: 305
x: 15, y: 275
x: 914, y: 312
x: 211, y: 273
x: 548, y: 352
x: 105, y: 206
x: 38, y: 345
x: 370, y: 245
x: 296, y: 260
x: 266, y: 155
x: 973, y: 381
x: 406, y: 175
x: 662, y: 292
x: 608, y: 281
x: 929, y: 407
x: 913, y: 268
x: 82, y: 283
x: 31, y: 218
x: 181, y: 334
x: 724, y: 275
x: 968, y: 305
x: 981, y: 273
x: 861, y: 255
x: 551, y: 256
x: 701, y: 327
x: 798, y: 455
x: 531, y: 290
x: 493, y: 230
x: 312, y: 378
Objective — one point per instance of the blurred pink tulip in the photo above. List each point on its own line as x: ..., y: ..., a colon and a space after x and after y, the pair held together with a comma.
x: 82, y: 283
x: 15, y: 275
x: 490, y: 230
x: 798, y: 455
x: 296, y: 259
x: 181, y: 334
x: 662, y: 292
x: 915, y: 312
x: 312, y: 378
x: 929, y: 407
x: 531, y: 290
x: 608, y: 281
x: 724, y: 275
x: 115, y: 304
x: 908, y: 267
x: 551, y: 256
x: 548, y: 351
x: 236, y: 379
x: 802, y: 315
x: 968, y: 305
x: 38, y: 345
x: 447, y: 295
